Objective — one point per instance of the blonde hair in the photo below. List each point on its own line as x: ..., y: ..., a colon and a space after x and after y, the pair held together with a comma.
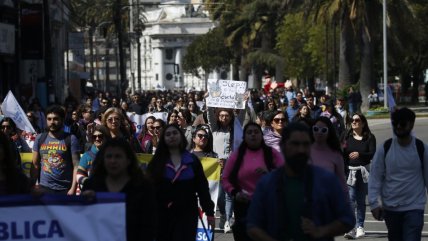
x: 110, y: 111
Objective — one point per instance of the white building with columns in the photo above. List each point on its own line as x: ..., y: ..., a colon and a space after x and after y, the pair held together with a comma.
x: 170, y: 27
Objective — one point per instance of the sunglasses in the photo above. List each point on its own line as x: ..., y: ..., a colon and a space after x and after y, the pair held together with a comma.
x: 113, y: 119
x: 100, y: 136
x: 157, y: 127
x: 104, y: 102
x: 200, y: 136
x: 277, y: 120
x: 356, y: 120
x: 318, y: 129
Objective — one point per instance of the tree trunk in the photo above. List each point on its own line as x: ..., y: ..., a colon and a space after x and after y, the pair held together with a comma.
x: 366, y: 72
x: 243, y: 73
x: 347, y: 51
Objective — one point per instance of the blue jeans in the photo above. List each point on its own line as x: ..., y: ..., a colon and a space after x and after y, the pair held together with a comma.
x: 225, y: 203
x: 357, y: 197
x: 405, y: 225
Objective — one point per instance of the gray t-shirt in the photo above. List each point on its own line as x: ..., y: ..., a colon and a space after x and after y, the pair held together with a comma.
x: 55, y: 160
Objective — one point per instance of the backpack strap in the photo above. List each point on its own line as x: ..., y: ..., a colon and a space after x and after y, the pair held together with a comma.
x: 421, y: 149
x: 386, y: 146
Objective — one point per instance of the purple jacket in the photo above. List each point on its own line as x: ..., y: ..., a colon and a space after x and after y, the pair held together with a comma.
x: 272, y: 139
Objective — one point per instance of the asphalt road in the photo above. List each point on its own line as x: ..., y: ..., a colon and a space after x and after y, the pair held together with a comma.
x: 375, y: 230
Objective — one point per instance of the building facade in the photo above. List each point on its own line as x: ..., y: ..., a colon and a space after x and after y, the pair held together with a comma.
x: 170, y: 27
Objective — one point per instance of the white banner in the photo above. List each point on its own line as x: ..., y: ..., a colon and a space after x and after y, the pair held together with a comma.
x: 11, y: 108
x: 139, y: 120
x: 60, y: 217
x: 226, y: 93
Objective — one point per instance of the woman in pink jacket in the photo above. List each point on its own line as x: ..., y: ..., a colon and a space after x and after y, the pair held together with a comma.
x: 243, y: 170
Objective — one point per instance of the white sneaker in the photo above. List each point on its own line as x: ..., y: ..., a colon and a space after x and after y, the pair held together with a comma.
x: 350, y: 235
x: 227, y: 228
x: 360, y: 232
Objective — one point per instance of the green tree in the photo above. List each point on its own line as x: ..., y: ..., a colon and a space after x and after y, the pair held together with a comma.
x: 207, y: 52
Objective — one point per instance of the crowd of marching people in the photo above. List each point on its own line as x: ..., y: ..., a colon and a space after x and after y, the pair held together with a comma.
x: 90, y: 146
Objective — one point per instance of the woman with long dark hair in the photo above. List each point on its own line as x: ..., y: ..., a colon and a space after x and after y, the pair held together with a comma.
x: 244, y: 169
x: 146, y: 135
x: 180, y: 182
x: 116, y: 170
x: 359, y: 146
x: 12, y: 181
x: 276, y: 121
x: 326, y: 151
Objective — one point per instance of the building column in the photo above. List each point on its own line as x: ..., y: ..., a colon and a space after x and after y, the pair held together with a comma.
x: 159, y: 67
x: 178, y: 70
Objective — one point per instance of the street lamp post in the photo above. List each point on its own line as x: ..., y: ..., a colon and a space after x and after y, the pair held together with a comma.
x: 385, y: 59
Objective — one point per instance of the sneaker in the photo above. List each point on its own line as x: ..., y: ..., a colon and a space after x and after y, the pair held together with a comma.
x: 350, y: 235
x: 360, y: 232
x: 227, y: 228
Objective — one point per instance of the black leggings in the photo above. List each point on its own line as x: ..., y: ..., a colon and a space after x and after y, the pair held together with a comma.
x: 240, y: 225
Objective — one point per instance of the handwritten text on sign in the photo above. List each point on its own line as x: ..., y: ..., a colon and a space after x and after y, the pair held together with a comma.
x: 226, y: 93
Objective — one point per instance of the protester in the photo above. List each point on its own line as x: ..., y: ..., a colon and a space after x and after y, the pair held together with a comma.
x: 359, y: 146
x: 33, y: 121
x: 221, y: 123
x: 397, y: 182
x: 172, y: 117
x: 184, y: 120
x: 334, y: 117
x: 203, y: 142
x: 315, y: 110
x: 12, y: 180
x: 303, y: 115
x: 84, y: 170
x: 179, y: 181
x: 292, y: 109
x: 326, y: 151
x: 116, y: 170
x: 243, y: 170
x: 298, y: 201
x: 272, y: 136
x: 55, y: 156
x: 146, y: 136
x: 119, y: 127
x: 158, y: 127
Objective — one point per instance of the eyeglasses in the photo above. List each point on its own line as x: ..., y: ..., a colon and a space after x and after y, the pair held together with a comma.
x: 110, y: 120
x: 318, y: 129
x: 200, y: 136
x: 157, y: 127
x: 277, y: 120
x: 356, y: 120
x: 100, y: 136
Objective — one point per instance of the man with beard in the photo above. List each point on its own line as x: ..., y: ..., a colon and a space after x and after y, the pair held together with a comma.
x: 398, y: 177
x: 298, y: 201
x: 55, y: 156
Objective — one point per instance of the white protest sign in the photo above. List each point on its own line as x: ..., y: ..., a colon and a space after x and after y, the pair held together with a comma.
x: 68, y: 218
x: 226, y: 93
x: 138, y: 120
